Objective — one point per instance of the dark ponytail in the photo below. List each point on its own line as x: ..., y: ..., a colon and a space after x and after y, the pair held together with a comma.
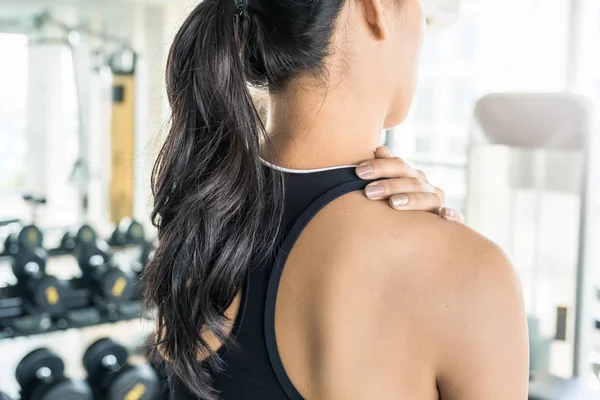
x: 217, y: 209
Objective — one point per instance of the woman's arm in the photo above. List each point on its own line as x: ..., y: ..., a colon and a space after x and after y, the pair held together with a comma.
x: 405, y: 187
x: 483, y: 342
x: 479, y: 326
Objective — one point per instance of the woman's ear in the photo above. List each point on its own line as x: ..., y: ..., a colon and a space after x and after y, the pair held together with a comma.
x: 374, y: 14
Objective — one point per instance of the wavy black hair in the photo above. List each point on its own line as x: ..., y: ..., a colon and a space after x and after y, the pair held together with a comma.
x: 217, y: 210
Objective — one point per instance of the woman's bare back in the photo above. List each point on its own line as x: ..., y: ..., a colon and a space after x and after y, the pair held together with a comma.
x: 374, y: 304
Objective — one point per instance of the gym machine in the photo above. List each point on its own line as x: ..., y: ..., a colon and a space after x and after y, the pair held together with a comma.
x: 104, y: 286
x: 109, y: 52
x: 122, y: 65
x: 530, y: 155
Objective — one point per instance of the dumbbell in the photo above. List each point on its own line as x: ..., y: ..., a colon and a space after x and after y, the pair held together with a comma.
x: 11, y: 244
x: 111, y: 283
x: 128, y: 232
x: 146, y: 255
x: 29, y: 236
x: 111, y: 377
x: 41, y: 377
x: 137, y: 265
x: 43, y: 291
x: 71, y: 239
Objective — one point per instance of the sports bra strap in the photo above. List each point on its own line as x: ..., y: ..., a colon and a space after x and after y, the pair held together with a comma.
x: 277, y: 271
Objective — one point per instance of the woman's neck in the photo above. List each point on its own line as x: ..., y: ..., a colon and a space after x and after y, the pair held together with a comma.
x: 316, y: 129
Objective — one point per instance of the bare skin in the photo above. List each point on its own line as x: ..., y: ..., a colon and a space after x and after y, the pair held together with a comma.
x: 401, y: 180
x: 389, y: 305
x: 375, y: 303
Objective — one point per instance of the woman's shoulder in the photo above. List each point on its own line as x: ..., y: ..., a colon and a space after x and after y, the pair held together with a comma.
x: 368, y: 244
x: 416, y: 281
x: 355, y: 225
x: 412, y: 258
x: 444, y: 256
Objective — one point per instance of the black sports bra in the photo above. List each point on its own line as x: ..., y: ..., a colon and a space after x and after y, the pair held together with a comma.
x: 254, y: 370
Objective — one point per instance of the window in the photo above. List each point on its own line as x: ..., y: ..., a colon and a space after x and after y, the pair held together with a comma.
x: 505, y: 46
x: 37, y: 152
x: 461, y: 99
x: 425, y: 107
x: 13, y: 111
x: 424, y: 144
x: 513, y: 45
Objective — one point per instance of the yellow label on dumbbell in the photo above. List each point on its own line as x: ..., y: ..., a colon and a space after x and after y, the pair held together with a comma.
x: 136, y: 393
x: 87, y: 235
x: 119, y: 287
x: 32, y: 236
x: 52, y: 295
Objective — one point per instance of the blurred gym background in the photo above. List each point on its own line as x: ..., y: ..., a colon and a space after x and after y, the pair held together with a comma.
x: 504, y: 121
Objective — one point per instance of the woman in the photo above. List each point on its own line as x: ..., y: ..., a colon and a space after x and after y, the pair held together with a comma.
x: 275, y: 277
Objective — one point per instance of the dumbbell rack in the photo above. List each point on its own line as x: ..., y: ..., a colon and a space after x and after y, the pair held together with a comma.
x: 72, y: 327
x: 109, y: 369
x: 15, y: 322
x: 128, y: 312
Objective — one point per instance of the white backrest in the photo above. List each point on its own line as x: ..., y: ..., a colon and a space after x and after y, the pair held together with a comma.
x: 535, y: 121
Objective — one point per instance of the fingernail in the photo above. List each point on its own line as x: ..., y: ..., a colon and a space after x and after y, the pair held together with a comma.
x: 365, y: 171
x: 450, y: 213
x: 374, y: 191
x: 399, y: 201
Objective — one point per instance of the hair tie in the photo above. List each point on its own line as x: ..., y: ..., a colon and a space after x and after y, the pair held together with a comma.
x: 241, y: 5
